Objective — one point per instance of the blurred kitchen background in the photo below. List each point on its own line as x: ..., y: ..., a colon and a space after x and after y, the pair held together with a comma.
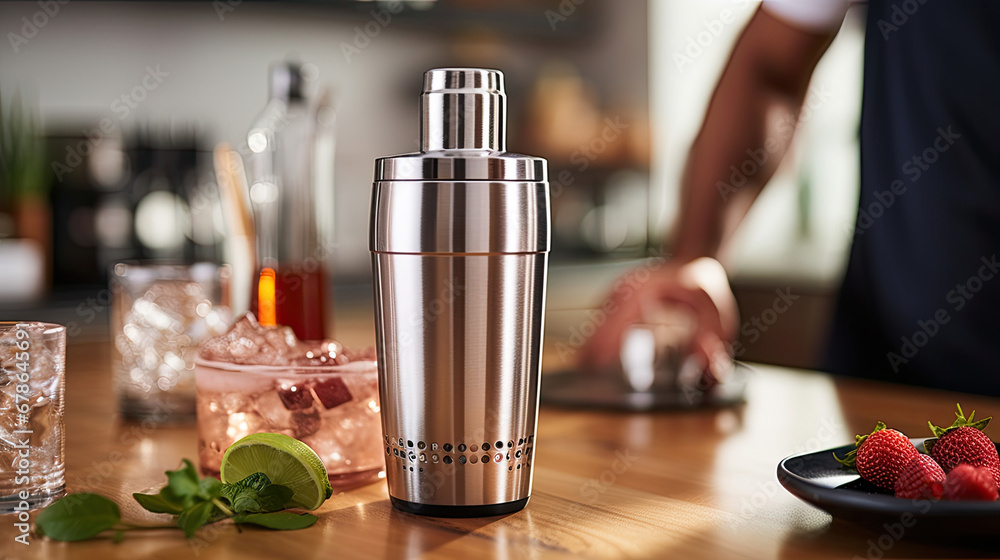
x: 128, y: 99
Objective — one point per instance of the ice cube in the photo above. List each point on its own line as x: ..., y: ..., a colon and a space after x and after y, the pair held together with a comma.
x: 43, y: 413
x: 364, y: 354
x: 272, y: 408
x: 332, y: 392
x: 296, y: 397
x: 237, y: 345
x: 305, y: 423
x: 248, y: 343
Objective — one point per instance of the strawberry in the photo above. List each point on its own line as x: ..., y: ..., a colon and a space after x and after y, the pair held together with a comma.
x: 880, y: 456
x: 966, y: 482
x: 964, y: 442
x: 921, y: 478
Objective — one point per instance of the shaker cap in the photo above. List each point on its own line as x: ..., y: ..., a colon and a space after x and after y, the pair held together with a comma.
x: 463, y: 120
x: 461, y: 193
x: 463, y: 109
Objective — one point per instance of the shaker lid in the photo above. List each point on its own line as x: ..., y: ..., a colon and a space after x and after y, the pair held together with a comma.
x: 461, y: 193
x: 463, y: 119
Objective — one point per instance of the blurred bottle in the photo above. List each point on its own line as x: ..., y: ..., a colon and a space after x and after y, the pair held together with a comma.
x: 290, y: 172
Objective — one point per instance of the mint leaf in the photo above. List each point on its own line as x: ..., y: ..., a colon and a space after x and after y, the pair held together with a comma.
x: 255, y: 493
x: 184, y: 481
x: 275, y: 497
x: 77, y: 517
x: 168, y: 494
x: 282, y: 521
x: 209, y: 488
x: 183, y: 490
x: 158, y: 503
x: 257, y: 481
x: 193, y: 518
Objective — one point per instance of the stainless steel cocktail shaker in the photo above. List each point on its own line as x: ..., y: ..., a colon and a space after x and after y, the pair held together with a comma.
x: 460, y: 240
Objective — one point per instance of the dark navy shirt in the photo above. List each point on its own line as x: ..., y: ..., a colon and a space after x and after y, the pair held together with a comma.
x: 920, y: 301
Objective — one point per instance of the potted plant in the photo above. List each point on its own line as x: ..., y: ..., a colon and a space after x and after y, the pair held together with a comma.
x: 25, y: 214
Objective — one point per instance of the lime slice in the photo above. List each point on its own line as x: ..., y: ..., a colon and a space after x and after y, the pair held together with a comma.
x: 285, y: 460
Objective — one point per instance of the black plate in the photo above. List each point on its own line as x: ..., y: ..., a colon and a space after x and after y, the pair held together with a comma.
x: 820, y: 480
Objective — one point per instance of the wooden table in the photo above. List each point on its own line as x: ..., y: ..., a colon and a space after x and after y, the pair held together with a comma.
x: 697, y: 484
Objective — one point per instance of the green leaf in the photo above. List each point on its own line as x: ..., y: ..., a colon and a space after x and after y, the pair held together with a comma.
x: 168, y: 494
x: 184, y: 481
x: 282, y: 521
x: 275, y: 497
x: 960, y: 422
x: 77, y: 517
x: 119, y: 536
x: 157, y: 503
x: 209, y: 488
x: 255, y: 493
x: 851, y: 459
x: 194, y: 518
x: 256, y: 481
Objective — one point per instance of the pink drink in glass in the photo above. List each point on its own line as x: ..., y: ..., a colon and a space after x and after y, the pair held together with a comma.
x: 262, y: 379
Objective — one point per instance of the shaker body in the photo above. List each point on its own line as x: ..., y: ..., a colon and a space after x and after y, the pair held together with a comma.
x: 459, y: 240
x: 459, y: 378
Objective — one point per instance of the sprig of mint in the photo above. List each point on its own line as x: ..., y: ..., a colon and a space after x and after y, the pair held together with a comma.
x: 195, y: 502
x: 256, y: 494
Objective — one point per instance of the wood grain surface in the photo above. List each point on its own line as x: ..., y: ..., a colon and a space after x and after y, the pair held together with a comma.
x: 695, y: 484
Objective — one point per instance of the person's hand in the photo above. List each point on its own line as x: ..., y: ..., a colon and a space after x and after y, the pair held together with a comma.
x: 701, y: 285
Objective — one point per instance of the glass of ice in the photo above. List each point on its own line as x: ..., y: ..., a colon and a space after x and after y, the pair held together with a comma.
x: 263, y: 379
x: 160, y: 313
x: 32, y: 387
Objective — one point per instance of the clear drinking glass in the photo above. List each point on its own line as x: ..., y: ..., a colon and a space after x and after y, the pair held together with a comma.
x: 32, y: 389
x: 656, y: 355
x: 160, y: 314
x: 334, y: 409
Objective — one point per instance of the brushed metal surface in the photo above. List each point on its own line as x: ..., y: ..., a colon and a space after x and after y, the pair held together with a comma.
x: 459, y: 236
x: 459, y: 342
x: 459, y: 217
x: 463, y: 108
x: 460, y: 165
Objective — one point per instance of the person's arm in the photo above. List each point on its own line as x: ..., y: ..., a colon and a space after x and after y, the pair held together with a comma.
x: 767, y: 75
x: 766, y: 79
